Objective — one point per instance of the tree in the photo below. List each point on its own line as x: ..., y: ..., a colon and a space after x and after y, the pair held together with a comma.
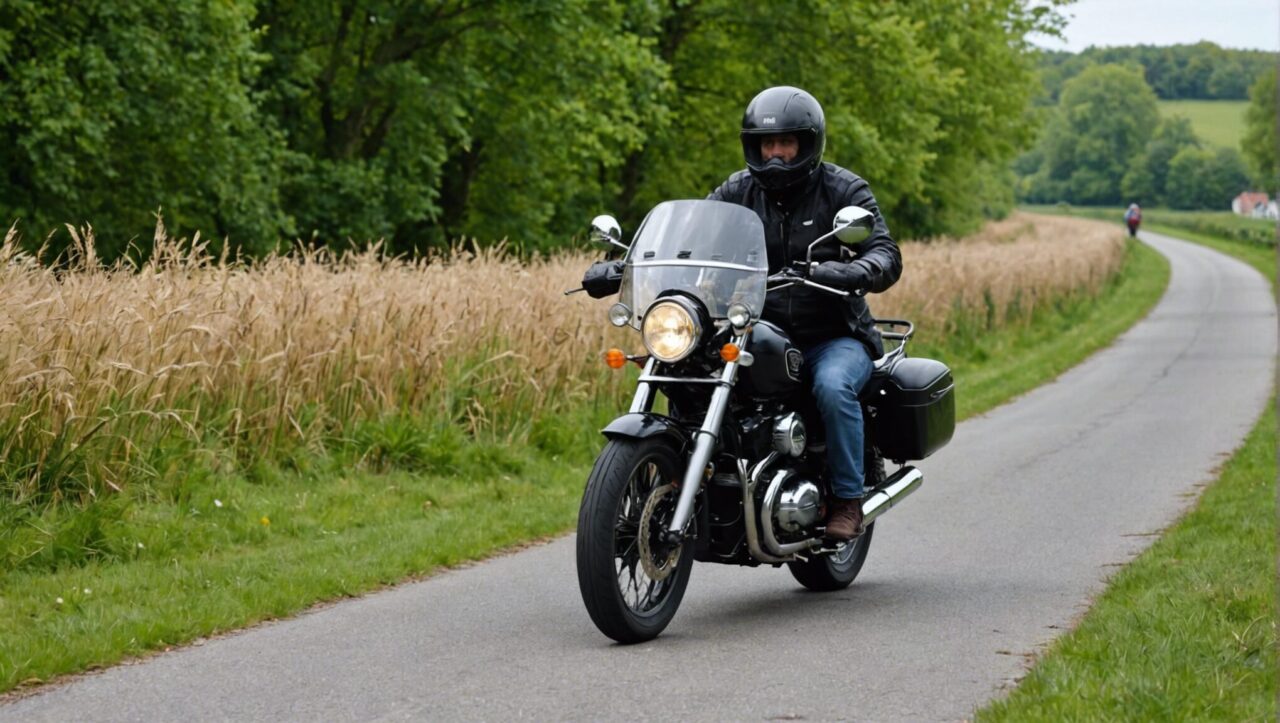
x: 110, y: 110
x: 1103, y: 120
x: 1145, y: 180
x: 1205, y: 179
x: 1259, y: 143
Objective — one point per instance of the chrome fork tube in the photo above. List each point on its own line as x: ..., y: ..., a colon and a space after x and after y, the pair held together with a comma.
x: 643, y: 400
x: 704, y: 445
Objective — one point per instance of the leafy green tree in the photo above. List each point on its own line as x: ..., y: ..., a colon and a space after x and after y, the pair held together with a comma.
x: 1203, y: 70
x: 1103, y: 120
x: 1145, y: 180
x: 424, y: 122
x: 926, y: 102
x: 109, y: 110
x: 1259, y: 143
x: 1205, y: 179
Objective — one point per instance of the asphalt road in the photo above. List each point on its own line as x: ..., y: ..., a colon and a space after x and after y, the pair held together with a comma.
x: 1018, y: 524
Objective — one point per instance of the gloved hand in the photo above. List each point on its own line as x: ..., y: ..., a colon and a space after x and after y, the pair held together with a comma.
x: 603, y: 278
x: 851, y: 276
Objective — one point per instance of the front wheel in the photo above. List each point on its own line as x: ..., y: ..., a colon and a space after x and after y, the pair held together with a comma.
x: 631, y: 581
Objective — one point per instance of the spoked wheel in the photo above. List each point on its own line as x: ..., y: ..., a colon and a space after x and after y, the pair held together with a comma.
x: 836, y: 570
x: 631, y: 580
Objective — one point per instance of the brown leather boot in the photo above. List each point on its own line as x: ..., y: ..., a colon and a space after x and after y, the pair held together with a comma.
x: 844, y: 521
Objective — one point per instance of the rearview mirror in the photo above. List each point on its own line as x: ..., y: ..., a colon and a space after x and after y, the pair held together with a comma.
x: 605, y: 230
x: 853, y: 224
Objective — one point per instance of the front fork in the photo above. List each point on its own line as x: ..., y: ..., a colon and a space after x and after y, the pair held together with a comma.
x: 704, y: 440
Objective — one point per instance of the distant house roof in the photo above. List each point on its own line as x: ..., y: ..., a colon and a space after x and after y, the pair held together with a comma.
x: 1250, y: 200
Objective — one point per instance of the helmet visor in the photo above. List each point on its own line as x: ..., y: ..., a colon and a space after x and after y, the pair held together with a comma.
x: 752, y: 150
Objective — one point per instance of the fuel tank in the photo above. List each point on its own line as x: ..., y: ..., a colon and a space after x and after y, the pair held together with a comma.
x: 776, y: 369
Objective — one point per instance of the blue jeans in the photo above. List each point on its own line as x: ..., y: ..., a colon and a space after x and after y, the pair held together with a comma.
x: 838, y: 369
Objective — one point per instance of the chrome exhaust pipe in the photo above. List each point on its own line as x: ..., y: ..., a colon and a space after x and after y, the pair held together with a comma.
x: 894, y: 490
x: 748, y: 479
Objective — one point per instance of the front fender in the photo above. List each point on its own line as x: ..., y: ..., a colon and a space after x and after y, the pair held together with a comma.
x: 642, y: 425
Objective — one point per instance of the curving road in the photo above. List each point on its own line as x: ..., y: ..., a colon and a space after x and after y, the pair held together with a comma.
x: 1018, y: 524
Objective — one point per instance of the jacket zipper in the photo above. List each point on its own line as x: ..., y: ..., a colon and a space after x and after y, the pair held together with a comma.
x: 786, y: 263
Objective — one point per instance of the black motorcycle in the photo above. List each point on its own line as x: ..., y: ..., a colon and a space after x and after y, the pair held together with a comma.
x: 734, y: 471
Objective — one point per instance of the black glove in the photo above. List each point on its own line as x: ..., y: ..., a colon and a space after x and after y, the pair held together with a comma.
x: 852, y: 276
x: 603, y: 278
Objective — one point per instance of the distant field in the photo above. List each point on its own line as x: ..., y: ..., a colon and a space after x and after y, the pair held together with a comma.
x: 1218, y: 122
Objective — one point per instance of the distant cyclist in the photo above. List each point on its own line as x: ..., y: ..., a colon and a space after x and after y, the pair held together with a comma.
x: 1133, y: 218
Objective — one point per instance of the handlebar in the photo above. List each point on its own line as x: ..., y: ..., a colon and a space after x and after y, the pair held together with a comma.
x: 791, y: 277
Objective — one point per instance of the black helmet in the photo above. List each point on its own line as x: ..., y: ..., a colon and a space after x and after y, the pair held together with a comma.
x: 783, y: 109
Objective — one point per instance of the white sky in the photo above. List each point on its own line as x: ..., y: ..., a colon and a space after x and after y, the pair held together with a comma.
x: 1253, y: 24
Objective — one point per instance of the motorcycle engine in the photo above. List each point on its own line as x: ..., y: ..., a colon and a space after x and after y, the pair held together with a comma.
x: 798, y: 506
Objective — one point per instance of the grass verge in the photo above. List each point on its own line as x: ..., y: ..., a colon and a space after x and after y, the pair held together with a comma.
x: 224, y: 551
x: 1188, y: 630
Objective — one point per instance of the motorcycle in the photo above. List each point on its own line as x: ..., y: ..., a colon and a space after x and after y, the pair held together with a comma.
x: 734, y: 471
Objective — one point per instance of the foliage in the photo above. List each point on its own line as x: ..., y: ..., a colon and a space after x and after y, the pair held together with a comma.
x: 426, y: 122
x: 1104, y: 118
x: 933, y: 165
x: 1205, y: 178
x: 1147, y: 177
x: 1203, y: 70
x: 109, y: 110
x: 1259, y: 144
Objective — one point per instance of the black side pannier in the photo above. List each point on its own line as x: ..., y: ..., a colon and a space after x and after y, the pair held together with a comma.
x: 915, y: 409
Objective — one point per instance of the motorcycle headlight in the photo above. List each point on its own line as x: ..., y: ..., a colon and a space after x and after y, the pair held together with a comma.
x: 670, y: 331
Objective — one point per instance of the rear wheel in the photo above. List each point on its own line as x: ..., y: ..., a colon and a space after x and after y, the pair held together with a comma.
x: 631, y: 581
x: 836, y: 570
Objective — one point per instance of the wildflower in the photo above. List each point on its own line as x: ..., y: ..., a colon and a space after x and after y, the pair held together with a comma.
x: 217, y: 503
x: 87, y: 591
x: 141, y: 546
x: 57, y: 601
x: 265, y: 521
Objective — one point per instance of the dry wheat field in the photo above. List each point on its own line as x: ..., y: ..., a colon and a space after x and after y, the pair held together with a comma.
x: 99, y: 363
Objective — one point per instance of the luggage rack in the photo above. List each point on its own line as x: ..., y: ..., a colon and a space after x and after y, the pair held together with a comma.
x: 889, y: 333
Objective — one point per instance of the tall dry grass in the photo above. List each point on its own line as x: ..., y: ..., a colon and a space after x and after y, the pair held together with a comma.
x: 1002, y: 274
x: 100, y: 366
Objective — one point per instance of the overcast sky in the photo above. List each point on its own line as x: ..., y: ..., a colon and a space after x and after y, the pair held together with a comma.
x: 1229, y: 23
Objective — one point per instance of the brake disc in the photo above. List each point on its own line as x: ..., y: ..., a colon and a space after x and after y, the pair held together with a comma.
x: 655, y: 569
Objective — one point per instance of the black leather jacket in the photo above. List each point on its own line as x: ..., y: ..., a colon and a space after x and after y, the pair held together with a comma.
x: 790, y: 226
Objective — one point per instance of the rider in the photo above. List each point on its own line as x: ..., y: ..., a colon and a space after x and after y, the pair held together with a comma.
x: 796, y: 195
x: 1132, y: 218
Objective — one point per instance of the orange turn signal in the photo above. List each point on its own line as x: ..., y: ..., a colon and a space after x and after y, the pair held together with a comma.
x: 729, y: 352
x: 615, y: 358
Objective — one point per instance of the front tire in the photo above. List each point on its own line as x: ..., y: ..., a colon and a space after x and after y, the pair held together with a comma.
x: 630, y: 497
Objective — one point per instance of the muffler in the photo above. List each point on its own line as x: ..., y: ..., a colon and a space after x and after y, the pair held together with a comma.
x: 894, y: 490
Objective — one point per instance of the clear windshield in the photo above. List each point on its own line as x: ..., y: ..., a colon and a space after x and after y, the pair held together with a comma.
x: 711, y: 250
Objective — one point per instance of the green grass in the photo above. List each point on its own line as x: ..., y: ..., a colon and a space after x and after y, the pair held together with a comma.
x: 1217, y: 122
x: 208, y: 551
x: 1188, y: 630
